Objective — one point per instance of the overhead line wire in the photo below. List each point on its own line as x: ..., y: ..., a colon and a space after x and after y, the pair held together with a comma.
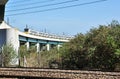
x: 18, y: 1
x: 31, y: 3
x: 93, y: 2
x: 42, y: 5
x: 21, y: 1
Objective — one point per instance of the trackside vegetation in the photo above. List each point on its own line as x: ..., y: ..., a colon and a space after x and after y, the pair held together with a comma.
x: 8, y: 55
x: 98, y: 49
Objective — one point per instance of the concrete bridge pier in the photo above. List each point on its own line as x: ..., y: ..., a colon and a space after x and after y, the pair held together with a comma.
x: 48, y: 47
x: 38, y: 47
x: 27, y: 45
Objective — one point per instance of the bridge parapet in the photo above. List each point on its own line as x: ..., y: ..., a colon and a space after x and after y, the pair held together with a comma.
x: 47, y: 35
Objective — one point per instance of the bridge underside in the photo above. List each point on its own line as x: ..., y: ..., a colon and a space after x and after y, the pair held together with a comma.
x: 39, y: 44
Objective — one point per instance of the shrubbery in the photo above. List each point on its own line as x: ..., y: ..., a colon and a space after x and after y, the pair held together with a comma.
x: 8, y: 55
x: 98, y: 49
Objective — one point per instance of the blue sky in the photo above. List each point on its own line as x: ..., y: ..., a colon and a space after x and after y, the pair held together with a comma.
x: 69, y: 21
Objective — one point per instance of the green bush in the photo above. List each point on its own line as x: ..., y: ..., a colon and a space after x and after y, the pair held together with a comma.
x: 48, y: 58
x: 98, y: 49
x: 8, y: 55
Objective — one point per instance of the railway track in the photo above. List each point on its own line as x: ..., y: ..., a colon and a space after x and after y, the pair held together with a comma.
x: 34, y: 73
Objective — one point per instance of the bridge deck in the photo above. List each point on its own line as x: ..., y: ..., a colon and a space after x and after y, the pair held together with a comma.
x: 56, y: 74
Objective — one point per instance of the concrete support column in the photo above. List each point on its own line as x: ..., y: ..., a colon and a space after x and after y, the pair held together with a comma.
x: 27, y: 45
x: 12, y: 37
x: 38, y: 47
x: 58, y: 46
x: 48, y: 47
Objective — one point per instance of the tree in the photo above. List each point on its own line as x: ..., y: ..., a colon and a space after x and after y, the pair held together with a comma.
x: 74, y: 54
x: 97, y: 49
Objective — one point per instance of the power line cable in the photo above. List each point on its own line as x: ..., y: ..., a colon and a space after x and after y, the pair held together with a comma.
x: 93, y: 2
x: 21, y: 1
x: 31, y: 3
x: 42, y: 6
